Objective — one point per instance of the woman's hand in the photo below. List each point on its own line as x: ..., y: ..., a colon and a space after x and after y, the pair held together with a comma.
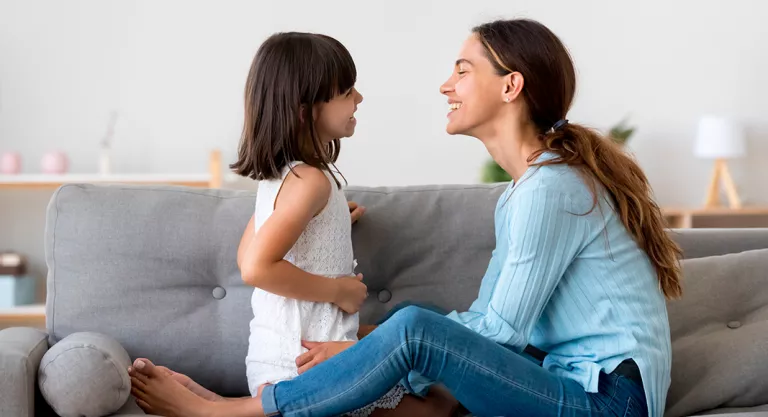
x: 350, y: 293
x: 319, y: 352
x: 355, y: 211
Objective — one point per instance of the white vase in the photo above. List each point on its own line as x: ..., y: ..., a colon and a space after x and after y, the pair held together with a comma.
x: 105, y: 167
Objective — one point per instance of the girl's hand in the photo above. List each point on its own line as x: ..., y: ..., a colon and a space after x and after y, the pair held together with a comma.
x: 356, y: 211
x: 350, y: 293
x: 319, y: 352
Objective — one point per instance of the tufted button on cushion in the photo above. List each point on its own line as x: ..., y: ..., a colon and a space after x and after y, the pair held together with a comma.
x: 384, y: 296
x: 219, y: 293
x: 734, y: 324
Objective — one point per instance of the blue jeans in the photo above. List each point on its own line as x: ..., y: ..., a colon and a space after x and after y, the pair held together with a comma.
x: 486, y: 378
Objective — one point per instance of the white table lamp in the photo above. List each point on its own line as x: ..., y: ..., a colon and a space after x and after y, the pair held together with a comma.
x: 720, y: 139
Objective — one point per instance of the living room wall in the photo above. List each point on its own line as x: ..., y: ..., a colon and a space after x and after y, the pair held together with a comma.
x: 174, y: 71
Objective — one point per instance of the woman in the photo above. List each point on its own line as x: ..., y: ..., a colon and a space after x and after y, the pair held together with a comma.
x: 581, y: 269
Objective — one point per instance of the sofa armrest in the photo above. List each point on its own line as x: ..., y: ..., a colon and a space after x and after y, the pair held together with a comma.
x: 21, y: 350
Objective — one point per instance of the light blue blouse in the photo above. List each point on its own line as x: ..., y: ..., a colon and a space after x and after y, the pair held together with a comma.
x: 572, y: 283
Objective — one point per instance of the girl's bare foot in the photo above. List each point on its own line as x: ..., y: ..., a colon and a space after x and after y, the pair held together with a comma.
x: 191, y: 385
x: 158, y: 392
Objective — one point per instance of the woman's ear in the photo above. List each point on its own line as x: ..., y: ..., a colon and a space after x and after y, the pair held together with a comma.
x: 513, y: 86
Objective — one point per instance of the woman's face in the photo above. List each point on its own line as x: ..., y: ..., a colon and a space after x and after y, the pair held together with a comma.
x: 476, y: 93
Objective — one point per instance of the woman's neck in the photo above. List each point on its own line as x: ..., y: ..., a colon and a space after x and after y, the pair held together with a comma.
x: 511, y: 147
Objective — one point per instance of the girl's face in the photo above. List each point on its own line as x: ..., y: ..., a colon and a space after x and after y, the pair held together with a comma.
x: 475, y: 91
x: 336, y: 118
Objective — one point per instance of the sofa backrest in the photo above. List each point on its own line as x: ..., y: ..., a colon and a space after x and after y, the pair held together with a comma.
x: 155, y: 266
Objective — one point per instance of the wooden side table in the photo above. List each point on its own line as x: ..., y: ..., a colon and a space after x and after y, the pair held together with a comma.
x: 719, y: 217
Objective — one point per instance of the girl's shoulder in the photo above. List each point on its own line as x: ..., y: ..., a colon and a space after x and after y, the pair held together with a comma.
x: 308, y: 176
x: 296, y: 177
x: 300, y: 185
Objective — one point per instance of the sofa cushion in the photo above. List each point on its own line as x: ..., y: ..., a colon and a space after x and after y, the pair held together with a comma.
x: 131, y: 409
x: 425, y: 245
x: 154, y: 268
x: 718, y: 331
x: 738, y: 412
x: 85, y: 374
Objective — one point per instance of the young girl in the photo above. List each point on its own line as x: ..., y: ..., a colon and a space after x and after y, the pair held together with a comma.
x: 297, y: 249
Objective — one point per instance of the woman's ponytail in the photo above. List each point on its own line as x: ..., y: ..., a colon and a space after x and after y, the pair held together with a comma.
x: 606, y: 163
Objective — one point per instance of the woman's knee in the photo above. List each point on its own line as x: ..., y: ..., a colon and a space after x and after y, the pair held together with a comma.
x: 412, y: 317
x: 397, y: 308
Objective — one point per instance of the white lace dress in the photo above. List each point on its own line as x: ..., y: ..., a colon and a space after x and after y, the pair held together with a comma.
x: 279, y: 324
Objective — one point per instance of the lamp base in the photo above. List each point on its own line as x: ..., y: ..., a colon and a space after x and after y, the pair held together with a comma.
x: 722, y: 174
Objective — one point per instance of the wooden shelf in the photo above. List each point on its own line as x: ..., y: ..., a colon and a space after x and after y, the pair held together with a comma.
x: 29, y: 311
x: 54, y: 181
x: 717, y: 211
x: 213, y: 179
x: 716, y: 217
x: 31, y: 315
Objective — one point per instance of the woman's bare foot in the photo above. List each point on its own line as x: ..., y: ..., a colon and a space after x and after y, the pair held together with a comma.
x: 158, y: 392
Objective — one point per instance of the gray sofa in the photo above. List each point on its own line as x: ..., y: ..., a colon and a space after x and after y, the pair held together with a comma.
x: 154, y: 268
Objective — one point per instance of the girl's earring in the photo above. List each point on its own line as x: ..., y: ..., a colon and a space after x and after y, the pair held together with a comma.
x: 507, y: 100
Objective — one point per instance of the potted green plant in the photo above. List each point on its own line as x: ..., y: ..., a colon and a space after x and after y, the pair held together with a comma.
x: 492, y: 172
x: 621, y: 132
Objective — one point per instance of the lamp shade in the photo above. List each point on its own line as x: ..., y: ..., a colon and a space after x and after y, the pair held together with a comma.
x: 718, y: 137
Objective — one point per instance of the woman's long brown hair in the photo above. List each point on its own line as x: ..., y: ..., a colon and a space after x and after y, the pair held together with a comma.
x: 528, y: 47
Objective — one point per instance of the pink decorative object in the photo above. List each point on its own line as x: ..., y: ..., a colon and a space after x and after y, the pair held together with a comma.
x: 10, y: 163
x: 55, y: 163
